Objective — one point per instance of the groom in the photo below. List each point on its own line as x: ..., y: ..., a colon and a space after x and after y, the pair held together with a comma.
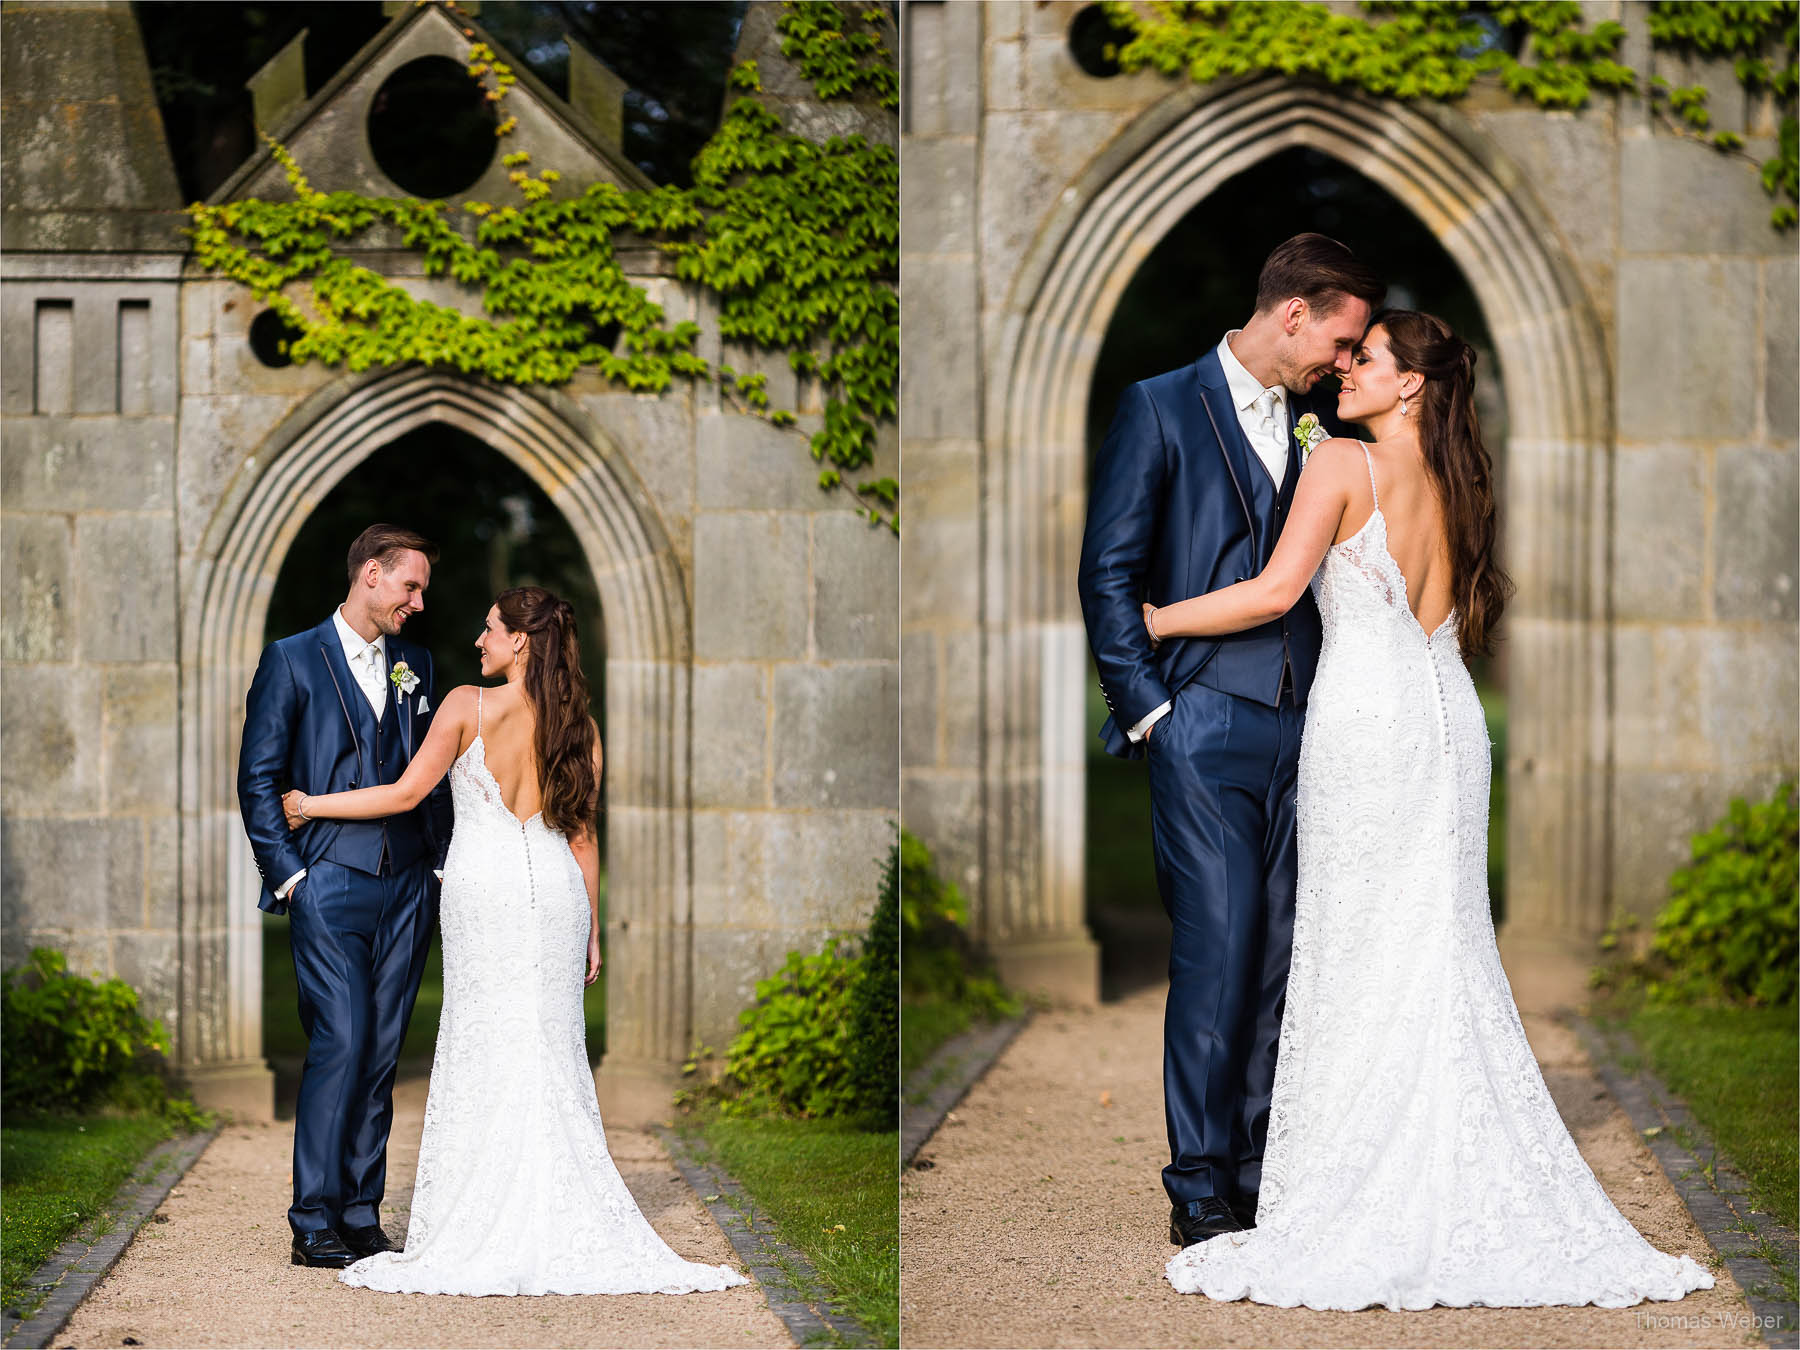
x: 1190, y: 491
x: 342, y: 706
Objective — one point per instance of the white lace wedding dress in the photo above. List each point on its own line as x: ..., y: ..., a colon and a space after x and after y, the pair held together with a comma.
x: 516, y: 1192
x: 1414, y: 1155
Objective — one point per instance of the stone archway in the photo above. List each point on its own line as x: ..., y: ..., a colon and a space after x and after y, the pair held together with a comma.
x: 1559, y: 409
x: 644, y: 599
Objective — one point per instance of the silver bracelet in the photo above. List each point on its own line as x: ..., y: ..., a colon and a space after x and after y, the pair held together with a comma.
x: 300, y: 806
x: 1150, y: 623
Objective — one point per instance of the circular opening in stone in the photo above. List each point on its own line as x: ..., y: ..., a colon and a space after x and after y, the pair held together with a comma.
x: 270, y: 335
x: 1094, y: 42
x: 431, y: 128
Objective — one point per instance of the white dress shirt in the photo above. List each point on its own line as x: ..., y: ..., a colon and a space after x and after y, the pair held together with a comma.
x: 368, y: 662
x: 1262, y: 412
x: 368, y: 667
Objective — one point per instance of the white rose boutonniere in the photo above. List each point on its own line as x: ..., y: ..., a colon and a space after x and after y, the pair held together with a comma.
x: 1309, y: 433
x: 404, y: 679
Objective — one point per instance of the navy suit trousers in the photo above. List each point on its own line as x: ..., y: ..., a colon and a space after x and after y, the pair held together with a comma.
x: 1222, y: 774
x: 359, y: 944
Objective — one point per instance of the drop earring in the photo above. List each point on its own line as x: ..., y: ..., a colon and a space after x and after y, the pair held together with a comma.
x: 1403, y: 407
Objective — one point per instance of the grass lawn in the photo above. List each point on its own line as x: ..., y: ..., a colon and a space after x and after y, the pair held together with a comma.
x: 56, y: 1174
x: 811, y: 1176
x: 926, y: 1022
x: 1736, y: 1070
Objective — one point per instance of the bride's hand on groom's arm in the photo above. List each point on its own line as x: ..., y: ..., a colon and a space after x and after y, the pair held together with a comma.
x: 291, y: 801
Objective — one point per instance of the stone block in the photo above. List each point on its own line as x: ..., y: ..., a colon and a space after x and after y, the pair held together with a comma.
x: 937, y: 198
x: 151, y: 964
x: 142, y: 750
x: 218, y: 438
x: 1659, y: 690
x: 1660, y: 532
x: 1679, y: 197
x: 1571, y: 161
x: 1005, y: 87
x: 750, y: 586
x: 1686, y: 353
x: 745, y: 464
x: 1028, y: 163
x: 1752, y: 691
x: 856, y: 588
x: 943, y: 56
x: 943, y: 808
x: 939, y: 396
x: 1052, y: 79
x: 196, y: 366
x: 126, y: 566
x: 50, y: 738
x: 1781, y: 349
x: 919, y: 700
x: 731, y: 735
x: 962, y: 698
x: 1756, y: 537
x: 1655, y: 816
x: 729, y: 889
x: 89, y: 464
x: 823, y: 868
x: 72, y: 874
x: 162, y: 873
x: 941, y: 563
x: 837, y: 740
x: 35, y: 622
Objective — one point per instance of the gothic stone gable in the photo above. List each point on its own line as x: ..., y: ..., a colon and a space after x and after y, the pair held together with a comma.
x: 329, y: 135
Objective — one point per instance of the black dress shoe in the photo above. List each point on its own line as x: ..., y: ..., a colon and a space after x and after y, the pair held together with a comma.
x: 367, y: 1240
x: 322, y: 1248
x: 1244, y: 1211
x: 1199, y: 1220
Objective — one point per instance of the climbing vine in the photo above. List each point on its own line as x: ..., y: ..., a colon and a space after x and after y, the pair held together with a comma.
x: 796, y: 240
x: 1436, y: 49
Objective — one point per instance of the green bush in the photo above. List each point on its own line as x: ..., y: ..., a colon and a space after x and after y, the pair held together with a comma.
x: 875, y: 1007
x: 68, y: 1042
x: 939, y: 958
x: 1731, y: 930
x: 793, y: 1054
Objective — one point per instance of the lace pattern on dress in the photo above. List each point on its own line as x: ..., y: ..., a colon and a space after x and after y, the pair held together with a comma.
x: 1414, y: 1155
x: 516, y: 1192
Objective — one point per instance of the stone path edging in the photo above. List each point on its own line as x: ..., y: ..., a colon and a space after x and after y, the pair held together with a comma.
x: 761, y: 1251
x: 1721, y: 1206
x: 959, y: 1064
x: 73, y: 1269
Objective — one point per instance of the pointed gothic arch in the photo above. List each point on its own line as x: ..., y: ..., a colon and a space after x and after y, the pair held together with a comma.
x: 644, y: 600
x: 1559, y: 399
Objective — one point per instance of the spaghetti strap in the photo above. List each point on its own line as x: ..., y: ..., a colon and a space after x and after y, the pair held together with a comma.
x: 478, y: 694
x: 1370, y: 462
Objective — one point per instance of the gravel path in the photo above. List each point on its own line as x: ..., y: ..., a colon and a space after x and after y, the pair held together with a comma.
x: 1041, y: 1220
x: 211, y: 1267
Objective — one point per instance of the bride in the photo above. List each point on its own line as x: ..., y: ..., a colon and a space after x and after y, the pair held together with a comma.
x: 1415, y: 1157
x: 516, y: 1192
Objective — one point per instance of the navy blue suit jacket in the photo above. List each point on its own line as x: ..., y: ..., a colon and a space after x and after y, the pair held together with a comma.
x: 1169, y: 516
x: 298, y: 733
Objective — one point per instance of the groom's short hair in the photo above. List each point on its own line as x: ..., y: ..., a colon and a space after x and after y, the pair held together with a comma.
x: 385, y: 543
x: 1320, y: 271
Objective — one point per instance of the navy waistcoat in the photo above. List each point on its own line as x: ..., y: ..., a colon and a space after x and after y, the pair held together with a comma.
x: 381, y: 758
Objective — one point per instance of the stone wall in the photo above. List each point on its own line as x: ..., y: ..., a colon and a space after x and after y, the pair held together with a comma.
x: 1644, y: 309
x: 154, y: 473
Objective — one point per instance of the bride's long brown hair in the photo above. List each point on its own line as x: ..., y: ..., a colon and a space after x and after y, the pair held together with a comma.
x: 564, y: 739
x: 1461, y: 470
